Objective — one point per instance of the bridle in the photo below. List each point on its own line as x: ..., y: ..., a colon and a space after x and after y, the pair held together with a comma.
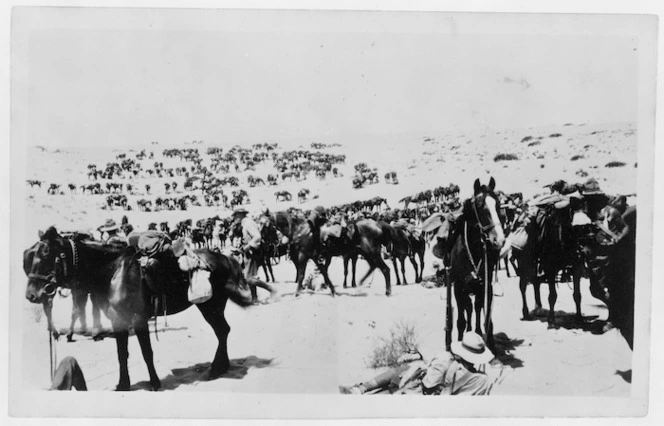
x: 484, y: 229
x: 59, y: 264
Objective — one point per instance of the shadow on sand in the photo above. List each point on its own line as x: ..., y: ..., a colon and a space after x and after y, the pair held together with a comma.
x: 503, y: 350
x: 199, y: 373
x: 569, y: 321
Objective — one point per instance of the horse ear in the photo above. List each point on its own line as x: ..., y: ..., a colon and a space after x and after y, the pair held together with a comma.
x: 49, y: 234
x: 492, y: 184
x: 40, y: 233
x: 476, y: 186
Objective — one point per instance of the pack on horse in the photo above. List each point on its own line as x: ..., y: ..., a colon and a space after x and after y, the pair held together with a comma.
x: 548, y: 246
x: 115, y: 278
x: 475, y: 246
x: 336, y: 242
x: 611, y: 265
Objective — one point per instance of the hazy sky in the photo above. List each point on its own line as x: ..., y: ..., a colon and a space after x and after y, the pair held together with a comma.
x: 175, y: 78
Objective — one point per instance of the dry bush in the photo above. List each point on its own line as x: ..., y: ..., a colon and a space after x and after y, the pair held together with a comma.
x: 505, y: 157
x: 526, y: 139
x: 615, y: 164
x: 555, y: 135
x: 581, y: 173
x: 576, y: 157
x: 535, y: 143
x: 387, y: 350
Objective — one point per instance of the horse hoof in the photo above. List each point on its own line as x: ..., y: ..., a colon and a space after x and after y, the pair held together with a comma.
x: 607, y: 327
x: 215, y: 374
x: 122, y: 388
x: 526, y: 318
x: 155, y: 386
x: 70, y: 338
x: 388, y: 293
x: 550, y: 326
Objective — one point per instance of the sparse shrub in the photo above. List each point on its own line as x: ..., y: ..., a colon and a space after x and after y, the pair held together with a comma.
x: 535, y: 143
x: 526, y: 139
x: 541, y: 166
x: 505, y: 157
x: 576, y: 157
x: 635, y: 165
x: 567, y: 124
x: 402, y: 340
x: 540, y: 157
x: 581, y: 173
x: 586, y: 146
x: 615, y: 164
x: 555, y: 135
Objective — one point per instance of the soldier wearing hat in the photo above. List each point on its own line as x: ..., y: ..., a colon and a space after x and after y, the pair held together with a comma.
x: 594, y: 199
x: 112, y: 232
x: 251, y: 240
x: 457, y: 373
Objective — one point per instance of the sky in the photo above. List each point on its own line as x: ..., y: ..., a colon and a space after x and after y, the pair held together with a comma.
x: 117, y: 78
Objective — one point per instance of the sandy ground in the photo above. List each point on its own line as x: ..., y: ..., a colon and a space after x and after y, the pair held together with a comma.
x: 316, y: 342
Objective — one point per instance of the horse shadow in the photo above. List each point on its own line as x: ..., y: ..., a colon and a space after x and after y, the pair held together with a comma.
x: 569, y: 321
x: 503, y: 349
x: 199, y: 373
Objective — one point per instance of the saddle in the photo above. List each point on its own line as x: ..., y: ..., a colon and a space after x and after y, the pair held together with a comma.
x: 158, y: 257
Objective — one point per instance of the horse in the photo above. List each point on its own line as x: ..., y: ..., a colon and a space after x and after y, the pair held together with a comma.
x: 114, y: 276
x: 612, y: 266
x: 304, y: 245
x: 551, y: 248
x: 406, y: 244
x: 477, y: 241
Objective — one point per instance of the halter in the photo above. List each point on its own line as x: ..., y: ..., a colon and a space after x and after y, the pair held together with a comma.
x: 61, y: 258
x: 484, y: 229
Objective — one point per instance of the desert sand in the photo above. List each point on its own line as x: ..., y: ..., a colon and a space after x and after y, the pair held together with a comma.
x: 314, y: 343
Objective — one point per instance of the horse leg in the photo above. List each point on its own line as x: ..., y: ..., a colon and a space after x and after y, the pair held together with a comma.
x: 403, y: 270
x: 79, y: 301
x: 576, y: 277
x: 372, y: 267
x: 96, y: 317
x: 213, y: 312
x: 255, y: 282
x: 538, y: 295
x: 143, y: 336
x: 479, y: 305
x: 322, y: 267
x: 461, y: 308
x: 345, y: 259
x: 354, y: 266
x: 264, y: 265
x: 396, y: 269
x: 268, y: 260
x: 413, y: 261
x: 421, y: 255
x: 553, y: 296
x: 507, y: 268
x: 122, y: 340
x: 301, y: 266
x: 386, y: 273
x: 523, y: 286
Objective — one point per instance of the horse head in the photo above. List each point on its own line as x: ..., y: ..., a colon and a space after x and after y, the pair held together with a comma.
x: 45, y: 264
x: 482, y: 210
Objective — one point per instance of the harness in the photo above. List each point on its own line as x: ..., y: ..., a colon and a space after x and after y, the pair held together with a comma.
x: 60, y: 259
x: 484, y: 229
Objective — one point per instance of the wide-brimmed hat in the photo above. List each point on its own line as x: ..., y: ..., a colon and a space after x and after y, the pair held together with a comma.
x: 472, y: 349
x: 591, y: 187
x: 109, y: 226
x: 239, y: 211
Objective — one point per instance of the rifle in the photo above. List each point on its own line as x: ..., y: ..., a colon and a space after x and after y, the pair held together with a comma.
x: 449, y: 311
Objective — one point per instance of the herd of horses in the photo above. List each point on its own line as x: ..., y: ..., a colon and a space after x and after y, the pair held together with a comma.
x: 471, y: 244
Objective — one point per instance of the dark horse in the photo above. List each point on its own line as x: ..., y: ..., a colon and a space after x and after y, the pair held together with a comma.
x: 475, y: 251
x: 407, y: 244
x: 613, y: 267
x: 550, y: 247
x: 365, y: 236
x: 113, y: 274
